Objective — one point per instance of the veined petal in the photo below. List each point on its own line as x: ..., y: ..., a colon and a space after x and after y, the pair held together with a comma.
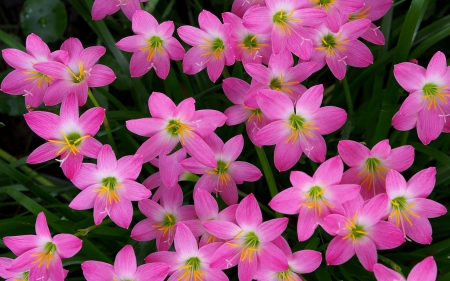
x: 125, y: 262
x: 132, y: 43
x: 207, y: 120
x: 287, y: 154
x: 169, y: 258
x: 420, y: 231
x: 401, y: 158
x: 339, y: 251
x: 155, y: 271
x: 247, y: 269
x: 96, y: 270
x: 139, y: 65
x: 131, y: 8
x: 429, y: 125
x: 100, y: 9
x: 274, y: 105
x: 425, y: 270
x: 271, y: 229
x: 403, y: 122
x: 161, y: 142
x: 305, y: 261
x: 422, y: 183
x: 366, y: 252
x: 129, y: 167
x: 373, y: 210
x: 248, y: 213
x: 409, y: 75
x: 198, y: 149
x: 67, y: 245
x: 41, y: 227
x: 134, y: 191
x: 258, y: 20
x: 386, y: 235
x: 243, y: 171
x: 17, y: 58
x: 87, y: 175
x: 85, y: 200
x: 100, y: 75
x: 143, y: 230
x: 43, y: 153
x: 205, y: 205
x: 382, y: 273
x: 352, y: 153
x: 237, y: 114
x: 273, y: 133
x: 121, y: 213
x: 330, y: 171
x: 44, y: 124
x: 143, y: 23
x: 192, y: 35
x: 437, y: 67
x: 106, y: 161
x: 185, y: 242
x: 258, y: 72
x: 226, y: 256
x: 54, y: 69
x: 359, y: 55
x: 208, y: 21
x: 146, y: 127
x: 21, y: 243
x: 161, y: 106
x: 395, y: 184
x: 235, y: 89
x: 427, y: 208
x: 287, y: 201
x: 272, y: 257
x: 161, y: 64
x: 307, y: 222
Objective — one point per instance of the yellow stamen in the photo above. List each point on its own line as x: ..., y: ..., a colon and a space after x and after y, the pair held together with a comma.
x: 68, y: 144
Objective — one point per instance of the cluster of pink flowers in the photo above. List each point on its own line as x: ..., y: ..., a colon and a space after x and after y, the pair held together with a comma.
x: 368, y: 207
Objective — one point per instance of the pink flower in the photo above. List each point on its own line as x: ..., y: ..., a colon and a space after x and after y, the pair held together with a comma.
x: 207, y: 210
x: 102, y: 8
x: 249, y: 242
x: 67, y: 135
x: 427, y: 106
x: 246, y: 109
x: 161, y: 219
x: 281, y: 75
x: 297, y: 129
x: 341, y: 48
x: 80, y: 72
x: 369, y: 168
x: 171, y: 124
x: 425, y: 270
x: 248, y: 47
x: 315, y: 198
x: 41, y: 254
x: 189, y: 262
x: 285, y: 20
x: 239, y: 7
x: 408, y: 208
x: 152, y: 47
x: 223, y: 176
x: 124, y: 268
x: 25, y: 80
x: 109, y: 187
x: 361, y: 231
x: 211, y: 46
x: 300, y: 262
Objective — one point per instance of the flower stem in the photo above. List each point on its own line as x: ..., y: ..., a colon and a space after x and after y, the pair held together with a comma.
x: 391, y: 264
x: 105, y: 123
x: 267, y: 174
x: 348, y: 96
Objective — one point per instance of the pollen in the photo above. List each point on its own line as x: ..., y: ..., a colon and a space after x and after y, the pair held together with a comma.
x: 71, y: 141
x: 278, y: 84
x: 167, y: 224
x: 154, y: 44
x: 177, y: 128
x: 373, y: 170
x: 221, y: 170
x: 315, y: 199
x: 192, y: 270
x: 331, y: 43
x: 325, y: 4
x: 46, y: 256
x: 435, y: 94
x: 108, y: 188
x: 213, y: 48
x: 401, y: 211
x: 78, y: 78
x: 299, y: 127
x: 250, y: 43
x: 356, y: 230
x: 35, y: 75
x: 282, y: 20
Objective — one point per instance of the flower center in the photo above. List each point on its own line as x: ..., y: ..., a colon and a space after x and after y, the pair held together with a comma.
x: 401, y: 211
x: 46, y: 256
x: 373, y: 167
x: 278, y: 84
x: 215, y: 47
x: 282, y: 20
x: 167, y: 224
x: 71, y: 141
x: 356, y: 230
x: 315, y: 199
x: 432, y: 91
x: 109, y: 186
x: 192, y: 270
x: 154, y: 44
x: 24, y: 276
x: 251, y: 243
x: 330, y: 43
x: 256, y: 112
x: 77, y: 78
x: 175, y: 127
x: 285, y: 275
x: 323, y: 4
x: 35, y: 75
x: 221, y: 170
x: 299, y: 125
x: 360, y: 15
x: 250, y: 43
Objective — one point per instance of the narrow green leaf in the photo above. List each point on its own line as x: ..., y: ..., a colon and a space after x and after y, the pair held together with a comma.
x: 10, y: 41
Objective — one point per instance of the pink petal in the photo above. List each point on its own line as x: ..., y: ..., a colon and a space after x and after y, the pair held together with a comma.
x: 409, y: 75
x: 171, y: 201
x: 67, y: 245
x: 330, y: 171
x: 151, y: 209
x: 160, y: 106
x: 382, y: 273
x: 41, y: 227
x: 210, y: 120
x: 208, y: 21
x: 437, y: 67
x: 342, y: 192
x: 243, y: 171
x: 91, y: 55
x: 205, y: 205
x: 273, y: 133
x: 299, y: 179
x: 143, y: 230
x: 329, y: 119
x: 174, y: 49
x: 198, y: 149
x: 359, y: 56
x: 314, y: 147
x: 274, y: 105
x: 134, y: 191
x: 43, y: 153
x: 420, y: 231
x: 17, y: 59
x: 121, y: 213
x: 130, y: 8
x: 381, y: 149
x: 395, y: 184
x: 339, y: 251
x: 23, y: 262
x: 222, y: 229
x: 125, y: 262
x: 72, y: 164
x: 129, y: 167
x: 272, y: 257
x: 161, y: 142
x: 287, y: 201
x: 185, y: 242
x: 226, y: 256
x: 258, y: 72
x: 269, y: 230
x: 44, y: 124
x: 401, y: 158
x: 215, y: 67
x: 287, y: 155
x: 247, y: 269
x: 306, y: 224
x: 403, y: 122
x: 85, y: 199
x: 143, y: 23
x: 237, y: 114
x: 310, y: 101
x: 86, y: 176
x: 257, y: 20
x: 139, y: 65
x: 373, y: 210
x: 429, y: 125
x: 337, y: 66
x: 90, y: 147
x: 54, y: 69
x: 422, y: 183
x: 215, y: 274
x: 333, y: 224
x: 15, y: 84
x: 100, y: 75
x: 232, y: 148
x: 154, y: 271
x: 169, y: 258
x: 161, y: 64
x: 185, y: 109
x: 374, y: 35
x: 425, y: 270
x: 101, y: 8
x: 366, y: 252
x: 386, y: 235
x: 146, y: 127
x: 305, y: 261
x: 132, y: 43
x: 106, y: 161
x: 427, y: 208
x: 21, y: 243
x: 235, y: 89
x: 352, y: 153
x: 36, y: 47
x: 248, y: 214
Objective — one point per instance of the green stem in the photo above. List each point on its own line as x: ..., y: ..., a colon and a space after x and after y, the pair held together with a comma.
x: 105, y: 123
x: 348, y: 96
x: 267, y: 173
x: 392, y: 264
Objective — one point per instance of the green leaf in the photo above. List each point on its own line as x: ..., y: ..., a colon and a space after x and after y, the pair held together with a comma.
x: 46, y: 18
x: 10, y: 41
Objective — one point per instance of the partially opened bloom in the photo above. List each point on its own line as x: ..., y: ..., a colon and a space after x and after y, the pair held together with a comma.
x: 361, y: 231
x: 125, y: 268
x: 211, y: 46
x: 314, y: 198
x: 341, y: 48
x: 300, y: 262
x: 25, y: 80
x: 171, y: 124
x: 102, y: 8
x: 109, y: 187
x: 161, y: 219
x: 188, y: 262
x: 41, y: 254
x: 427, y: 106
x: 408, y: 208
x: 249, y: 242
x: 222, y: 177
x: 239, y: 7
x: 80, y: 73
x: 425, y: 270
x: 152, y: 47
x: 369, y: 168
x: 297, y: 129
x: 285, y: 20
x: 68, y: 136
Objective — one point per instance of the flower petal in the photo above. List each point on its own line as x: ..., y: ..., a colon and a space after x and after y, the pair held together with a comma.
x: 425, y: 270
x: 367, y: 253
x: 97, y: 271
x: 248, y: 213
x: 125, y: 262
x: 339, y: 251
x: 67, y: 245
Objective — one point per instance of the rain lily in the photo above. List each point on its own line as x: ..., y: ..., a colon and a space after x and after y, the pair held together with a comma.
x: 239, y: 7
x: 109, y: 187
x: 124, y: 268
x: 361, y: 231
x: 427, y: 106
x: 10, y: 275
x: 102, y: 8
x: 41, y: 254
x: 246, y: 108
x: 161, y: 219
x: 297, y: 129
x: 80, y: 72
x: 281, y: 75
x: 425, y: 270
x: 368, y: 168
x: 25, y: 80
x: 189, y: 262
x: 285, y: 20
x: 211, y: 46
x: 341, y: 48
x: 67, y: 135
x: 248, y: 47
x: 300, y: 262
x: 222, y: 177
x: 171, y: 124
x: 408, y: 208
x: 249, y: 241
x: 152, y: 47
x: 314, y: 198
x: 207, y: 210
